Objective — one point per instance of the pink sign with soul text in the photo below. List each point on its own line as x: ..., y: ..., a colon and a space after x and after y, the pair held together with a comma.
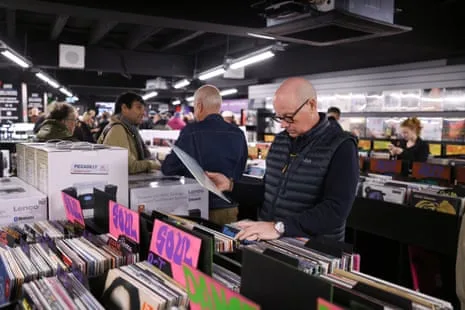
x: 175, y: 246
x: 123, y: 222
x: 206, y: 293
x: 73, y: 209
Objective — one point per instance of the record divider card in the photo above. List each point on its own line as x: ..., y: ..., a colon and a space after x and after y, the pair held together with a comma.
x: 207, y: 293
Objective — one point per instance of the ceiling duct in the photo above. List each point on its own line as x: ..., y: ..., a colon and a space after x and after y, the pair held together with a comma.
x: 322, y: 23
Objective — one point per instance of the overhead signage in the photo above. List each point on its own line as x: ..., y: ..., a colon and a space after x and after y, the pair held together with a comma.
x: 73, y: 209
x: 123, y: 222
x: 171, y: 247
x: 206, y: 293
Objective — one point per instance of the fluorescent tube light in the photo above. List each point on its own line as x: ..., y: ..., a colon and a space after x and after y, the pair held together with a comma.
x: 47, y: 80
x: 212, y: 73
x: 176, y: 102
x: 260, y: 36
x: 16, y: 59
x: 227, y: 92
x: 190, y: 99
x: 181, y: 84
x: 66, y: 92
x: 248, y: 60
x: 150, y: 95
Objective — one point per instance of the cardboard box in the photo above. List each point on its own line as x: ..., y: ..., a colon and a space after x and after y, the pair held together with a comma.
x: 51, y: 170
x: 21, y: 203
x: 168, y: 194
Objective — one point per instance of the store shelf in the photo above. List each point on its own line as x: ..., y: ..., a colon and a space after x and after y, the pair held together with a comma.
x: 407, y: 225
x: 444, y: 114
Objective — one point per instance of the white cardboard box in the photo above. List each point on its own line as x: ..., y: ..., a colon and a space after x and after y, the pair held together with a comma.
x: 20, y: 202
x: 51, y: 170
x: 168, y: 195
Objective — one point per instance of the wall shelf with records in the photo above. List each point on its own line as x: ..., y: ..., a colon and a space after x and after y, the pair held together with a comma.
x: 436, y: 148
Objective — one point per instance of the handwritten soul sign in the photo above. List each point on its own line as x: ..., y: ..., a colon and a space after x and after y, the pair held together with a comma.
x: 176, y: 247
x: 123, y: 221
x: 207, y: 293
x: 326, y: 305
x: 73, y: 209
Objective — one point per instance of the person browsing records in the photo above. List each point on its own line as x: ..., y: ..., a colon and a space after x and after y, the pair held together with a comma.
x: 311, y: 173
x: 412, y: 148
x: 215, y: 144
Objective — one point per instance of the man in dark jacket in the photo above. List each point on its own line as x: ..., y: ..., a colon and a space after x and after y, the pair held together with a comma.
x: 215, y: 144
x: 311, y: 173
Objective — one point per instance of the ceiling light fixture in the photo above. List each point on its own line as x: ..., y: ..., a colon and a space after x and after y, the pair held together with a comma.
x: 211, y: 73
x: 260, y: 36
x: 181, y: 83
x: 227, y: 92
x: 190, y: 99
x: 176, y: 102
x: 66, y: 92
x: 150, y: 95
x: 20, y: 61
x: 47, y: 79
x: 252, y: 58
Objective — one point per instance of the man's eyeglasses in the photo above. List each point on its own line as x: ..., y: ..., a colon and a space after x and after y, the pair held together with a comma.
x: 289, y: 118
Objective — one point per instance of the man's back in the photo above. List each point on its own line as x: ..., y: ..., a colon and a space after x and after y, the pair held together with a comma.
x: 216, y: 145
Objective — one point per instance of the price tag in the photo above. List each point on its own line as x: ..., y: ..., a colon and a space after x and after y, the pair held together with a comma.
x: 123, y: 222
x: 326, y: 305
x: 207, y: 293
x: 176, y: 247
x: 73, y: 209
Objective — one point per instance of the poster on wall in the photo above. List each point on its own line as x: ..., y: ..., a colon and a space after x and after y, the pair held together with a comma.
x: 10, y: 99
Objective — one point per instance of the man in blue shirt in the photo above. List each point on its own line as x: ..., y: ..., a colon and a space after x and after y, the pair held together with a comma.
x: 215, y: 144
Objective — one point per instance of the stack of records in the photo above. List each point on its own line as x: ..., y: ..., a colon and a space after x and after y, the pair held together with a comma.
x: 61, y: 292
x: 227, y: 278
x: 223, y: 243
x: 94, y: 257
x: 306, y: 259
x: 382, y: 292
x: 141, y: 286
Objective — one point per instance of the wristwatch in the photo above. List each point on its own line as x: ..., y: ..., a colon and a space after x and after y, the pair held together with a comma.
x: 279, y: 227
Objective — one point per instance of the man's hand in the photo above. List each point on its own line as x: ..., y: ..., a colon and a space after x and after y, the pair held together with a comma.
x: 220, y: 180
x: 256, y: 231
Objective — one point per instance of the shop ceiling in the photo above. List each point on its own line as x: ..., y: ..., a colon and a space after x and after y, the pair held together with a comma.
x: 127, y: 43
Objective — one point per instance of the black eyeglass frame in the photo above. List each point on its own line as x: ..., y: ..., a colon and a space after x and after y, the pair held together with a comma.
x: 289, y: 118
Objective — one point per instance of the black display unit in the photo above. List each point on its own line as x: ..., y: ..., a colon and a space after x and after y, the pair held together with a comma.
x: 381, y: 233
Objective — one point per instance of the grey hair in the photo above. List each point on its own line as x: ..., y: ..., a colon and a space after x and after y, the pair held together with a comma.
x: 210, y: 96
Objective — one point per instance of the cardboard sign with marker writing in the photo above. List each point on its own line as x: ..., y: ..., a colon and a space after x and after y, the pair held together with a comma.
x: 206, y: 293
x: 123, y: 222
x: 176, y: 247
x: 73, y: 209
x: 326, y: 305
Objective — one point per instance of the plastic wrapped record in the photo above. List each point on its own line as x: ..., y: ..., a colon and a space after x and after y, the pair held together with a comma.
x: 197, y: 172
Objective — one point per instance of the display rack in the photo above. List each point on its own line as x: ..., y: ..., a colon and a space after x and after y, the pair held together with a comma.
x: 387, y: 229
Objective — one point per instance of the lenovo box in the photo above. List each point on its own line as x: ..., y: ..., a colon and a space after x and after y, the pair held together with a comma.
x: 52, y: 169
x: 173, y: 195
x: 20, y: 202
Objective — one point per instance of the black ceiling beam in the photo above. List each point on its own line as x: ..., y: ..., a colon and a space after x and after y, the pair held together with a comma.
x: 181, y: 40
x: 11, y: 23
x: 58, y: 26
x: 54, y: 8
x: 140, y: 35
x: 45, y: 55
x: 100, y: 30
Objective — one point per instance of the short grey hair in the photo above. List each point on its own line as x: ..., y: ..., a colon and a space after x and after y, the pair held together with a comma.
x: 210, y: 97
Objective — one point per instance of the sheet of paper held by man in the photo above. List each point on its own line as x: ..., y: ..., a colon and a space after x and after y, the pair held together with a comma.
x: 198, y: 173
